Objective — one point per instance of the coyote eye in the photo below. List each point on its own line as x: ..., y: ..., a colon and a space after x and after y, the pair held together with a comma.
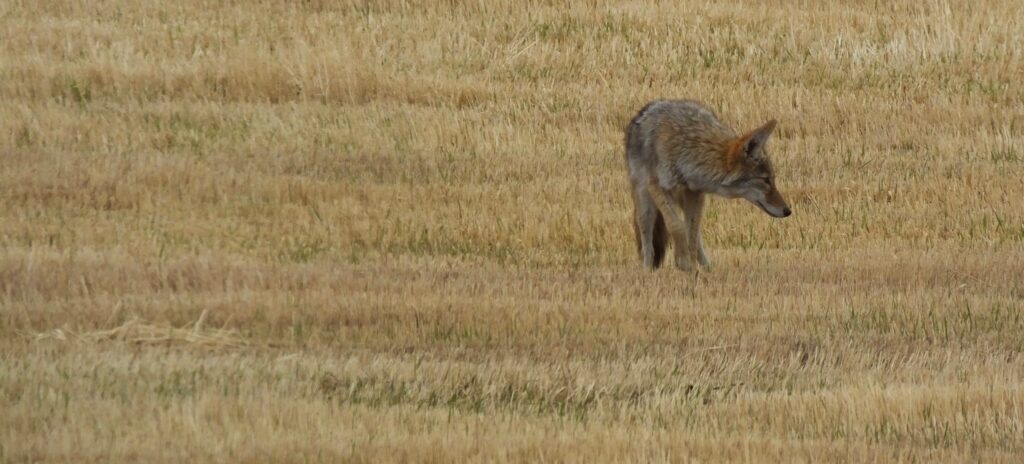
x: 768, y: 180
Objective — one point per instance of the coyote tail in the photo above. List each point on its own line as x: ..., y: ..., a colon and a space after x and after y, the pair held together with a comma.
x: 634, y: 142
x: 660, y: 240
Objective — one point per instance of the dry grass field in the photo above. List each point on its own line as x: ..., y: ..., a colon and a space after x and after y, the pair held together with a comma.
x: 283, y: 231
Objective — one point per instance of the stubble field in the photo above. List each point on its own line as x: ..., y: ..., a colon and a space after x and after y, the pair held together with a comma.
x: 360, y: 231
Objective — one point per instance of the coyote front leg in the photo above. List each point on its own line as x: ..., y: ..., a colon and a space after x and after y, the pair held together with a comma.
x: 693, y: 208
x: 675, y: 226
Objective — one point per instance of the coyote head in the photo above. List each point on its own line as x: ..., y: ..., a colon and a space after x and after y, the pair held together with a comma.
x: 753, y: 177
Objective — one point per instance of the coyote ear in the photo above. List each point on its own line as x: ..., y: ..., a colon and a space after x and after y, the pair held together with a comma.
x: 757, y: 138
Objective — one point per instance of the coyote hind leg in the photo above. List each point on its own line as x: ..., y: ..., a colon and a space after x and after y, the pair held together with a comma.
x: 674, y: 223
x: 649, y: 227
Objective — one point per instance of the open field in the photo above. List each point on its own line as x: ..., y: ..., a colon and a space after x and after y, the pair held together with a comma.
x: 287, y: 231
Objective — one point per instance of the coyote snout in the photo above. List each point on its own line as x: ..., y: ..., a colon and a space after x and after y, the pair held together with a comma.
x: 677, y: 151
x: 769, y: 199
x: 774, y: 205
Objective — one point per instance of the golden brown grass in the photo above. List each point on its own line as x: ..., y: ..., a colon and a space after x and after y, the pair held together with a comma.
x: 362, y: 231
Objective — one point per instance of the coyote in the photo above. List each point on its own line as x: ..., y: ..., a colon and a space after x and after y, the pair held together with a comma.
x: 677, y: 151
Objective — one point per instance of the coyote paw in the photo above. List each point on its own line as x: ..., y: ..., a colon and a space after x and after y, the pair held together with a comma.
x: 703, y: 260
x: 684, y: 263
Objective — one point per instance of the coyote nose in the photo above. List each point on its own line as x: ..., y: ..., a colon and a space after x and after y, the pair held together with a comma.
x: 786, y: 212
